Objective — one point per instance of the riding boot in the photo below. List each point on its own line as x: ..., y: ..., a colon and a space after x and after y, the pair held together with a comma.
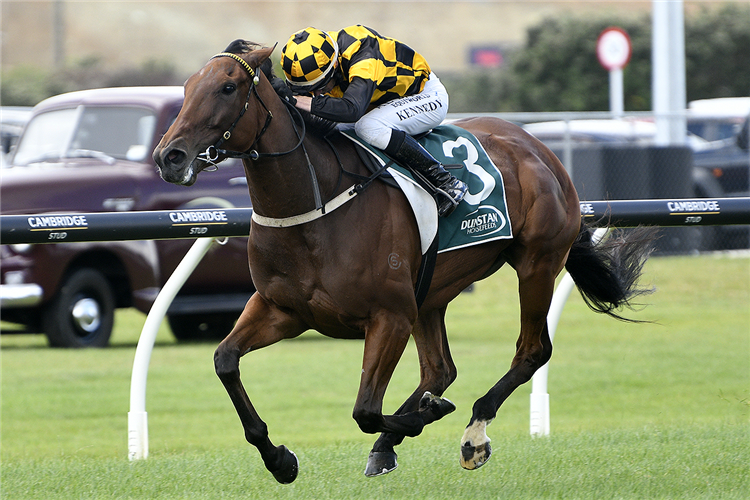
x: 449, y: 190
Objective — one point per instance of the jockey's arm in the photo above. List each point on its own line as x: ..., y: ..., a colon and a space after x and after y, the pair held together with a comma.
x: 350, y: 107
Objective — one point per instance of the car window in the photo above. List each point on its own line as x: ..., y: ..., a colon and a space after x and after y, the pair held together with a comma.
x: 118, y: 132
x: 714, y: 130
x: 124, y: 133
x: 46, y: 136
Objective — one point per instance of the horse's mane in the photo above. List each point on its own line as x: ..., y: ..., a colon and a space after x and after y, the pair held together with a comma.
x: 314, y: 123
x: 240, y: 47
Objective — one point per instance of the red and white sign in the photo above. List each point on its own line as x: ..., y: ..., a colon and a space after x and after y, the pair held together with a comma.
x: 613, y: 48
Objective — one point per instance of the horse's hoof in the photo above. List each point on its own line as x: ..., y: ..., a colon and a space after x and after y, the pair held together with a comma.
x: 380, y: 463
x: 438, y: 406
x: 473, y: 457
x: 287, y: 472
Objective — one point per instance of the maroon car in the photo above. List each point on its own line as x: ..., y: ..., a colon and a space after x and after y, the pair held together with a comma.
x: 90, y: 151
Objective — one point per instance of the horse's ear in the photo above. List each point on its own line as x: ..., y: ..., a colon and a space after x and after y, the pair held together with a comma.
x: 256, y: 57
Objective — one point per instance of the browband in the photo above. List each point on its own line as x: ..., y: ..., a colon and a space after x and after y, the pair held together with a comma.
x: 240, y: 60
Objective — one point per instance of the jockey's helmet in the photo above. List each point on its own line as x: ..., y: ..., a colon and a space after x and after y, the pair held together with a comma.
x: 308, y: 59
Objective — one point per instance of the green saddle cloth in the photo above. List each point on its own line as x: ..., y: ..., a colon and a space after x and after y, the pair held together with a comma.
x: 482, y: 216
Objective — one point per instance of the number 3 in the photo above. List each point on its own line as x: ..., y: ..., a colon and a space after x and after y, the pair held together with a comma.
x: 472, y: 155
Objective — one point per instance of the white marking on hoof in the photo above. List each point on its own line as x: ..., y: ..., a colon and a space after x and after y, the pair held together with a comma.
x: 475, y: 445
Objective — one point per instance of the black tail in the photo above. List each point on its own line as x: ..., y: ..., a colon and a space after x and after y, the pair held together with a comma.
x: 607, y: 274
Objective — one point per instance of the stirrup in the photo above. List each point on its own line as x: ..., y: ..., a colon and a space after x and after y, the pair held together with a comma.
x: 447, y: 207
x: 446, y: 201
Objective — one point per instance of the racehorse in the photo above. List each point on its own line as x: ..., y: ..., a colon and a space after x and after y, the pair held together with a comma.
x: 351, y: 272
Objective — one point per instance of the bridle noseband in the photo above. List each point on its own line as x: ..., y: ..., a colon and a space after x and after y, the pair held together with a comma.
x: 213, y: 152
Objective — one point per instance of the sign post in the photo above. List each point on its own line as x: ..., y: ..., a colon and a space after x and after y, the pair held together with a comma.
x: 613, y: 50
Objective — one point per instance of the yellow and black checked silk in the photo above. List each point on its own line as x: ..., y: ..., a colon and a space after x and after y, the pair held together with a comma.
x: 306, y: 56
x: 395, y: 68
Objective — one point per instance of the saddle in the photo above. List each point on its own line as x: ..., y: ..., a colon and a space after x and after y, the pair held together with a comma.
x: 481, y: 217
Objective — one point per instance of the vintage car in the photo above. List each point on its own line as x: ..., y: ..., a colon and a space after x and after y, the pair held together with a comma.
x: 12, y: 121
x: 90, y: 151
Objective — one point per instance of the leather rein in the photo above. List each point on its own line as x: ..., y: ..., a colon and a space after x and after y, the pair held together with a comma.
x: 426, y: 267
x: 213, y: 152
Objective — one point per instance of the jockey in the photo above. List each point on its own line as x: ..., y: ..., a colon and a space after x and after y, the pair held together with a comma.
x: 382, y: 86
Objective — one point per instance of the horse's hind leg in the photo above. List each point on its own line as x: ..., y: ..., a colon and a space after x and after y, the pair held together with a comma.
x: 259, y: 325
x: 533, y: 350
x: 385, y: 340
x: 437, y: 372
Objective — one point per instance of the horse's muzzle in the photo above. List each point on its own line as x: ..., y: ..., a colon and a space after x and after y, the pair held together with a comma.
x: 175, y: 165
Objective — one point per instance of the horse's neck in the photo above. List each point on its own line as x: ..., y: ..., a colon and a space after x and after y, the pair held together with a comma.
x: 284, y: 186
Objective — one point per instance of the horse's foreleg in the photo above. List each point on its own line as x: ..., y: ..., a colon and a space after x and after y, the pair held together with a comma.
x: 533, y: 350
x: 259, y: 325
x: 437, y: 372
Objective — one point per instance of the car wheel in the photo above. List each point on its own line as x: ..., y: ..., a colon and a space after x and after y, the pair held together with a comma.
x: 197, y: 327
x: 82, y: 313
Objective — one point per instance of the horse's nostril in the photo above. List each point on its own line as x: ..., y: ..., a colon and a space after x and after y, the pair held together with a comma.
x: 175, y: 157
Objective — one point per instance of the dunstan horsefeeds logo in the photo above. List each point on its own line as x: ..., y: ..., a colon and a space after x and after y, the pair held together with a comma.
x: 483, y: 221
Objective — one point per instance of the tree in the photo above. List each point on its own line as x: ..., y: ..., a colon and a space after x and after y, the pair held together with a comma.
x: 717, y: 53
x: 557, y: 68
x: 27, y: 85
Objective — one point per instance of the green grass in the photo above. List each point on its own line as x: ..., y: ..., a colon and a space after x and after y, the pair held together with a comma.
x: 655, y: 410
x: 647, y: 463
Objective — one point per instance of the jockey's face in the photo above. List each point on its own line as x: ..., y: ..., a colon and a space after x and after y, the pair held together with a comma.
x: 326, y: 89
x: 328, y: 86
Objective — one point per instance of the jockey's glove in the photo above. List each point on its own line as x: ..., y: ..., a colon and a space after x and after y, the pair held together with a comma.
x: 283, y: 91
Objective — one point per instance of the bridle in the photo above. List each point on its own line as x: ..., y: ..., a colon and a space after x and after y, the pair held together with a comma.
x: 213, y: 152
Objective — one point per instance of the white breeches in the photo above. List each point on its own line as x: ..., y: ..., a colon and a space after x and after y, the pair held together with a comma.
x: 413, y: 114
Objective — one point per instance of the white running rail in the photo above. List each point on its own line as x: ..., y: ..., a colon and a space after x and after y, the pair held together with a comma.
x: 137, y: 416
x: 539, y: 416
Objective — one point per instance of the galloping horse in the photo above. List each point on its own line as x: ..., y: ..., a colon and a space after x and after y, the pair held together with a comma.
x: 351, y: 273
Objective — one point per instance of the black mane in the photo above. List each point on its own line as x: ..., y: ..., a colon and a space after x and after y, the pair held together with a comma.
x: 316, y: 124
x: 240, y: 47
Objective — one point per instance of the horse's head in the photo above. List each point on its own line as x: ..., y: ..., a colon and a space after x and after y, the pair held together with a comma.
x: 216, y: 100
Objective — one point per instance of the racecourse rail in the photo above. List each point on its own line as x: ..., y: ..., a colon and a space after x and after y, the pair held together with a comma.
x: 205, y: 225
x: 217, y: 223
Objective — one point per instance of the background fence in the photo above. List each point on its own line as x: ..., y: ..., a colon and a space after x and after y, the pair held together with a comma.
x: 180, y: 224
x: 618, y: 160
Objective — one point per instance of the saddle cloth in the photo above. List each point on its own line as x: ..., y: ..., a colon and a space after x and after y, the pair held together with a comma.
x: 482, y: 216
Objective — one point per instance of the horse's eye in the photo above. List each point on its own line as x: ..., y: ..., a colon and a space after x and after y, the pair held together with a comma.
x: 228, y: 89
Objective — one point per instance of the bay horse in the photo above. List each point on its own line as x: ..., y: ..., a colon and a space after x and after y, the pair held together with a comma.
x: 351, y: 273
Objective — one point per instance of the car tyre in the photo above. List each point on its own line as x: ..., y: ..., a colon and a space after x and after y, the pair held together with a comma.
x: 82, y: 312
x: 201, y: 327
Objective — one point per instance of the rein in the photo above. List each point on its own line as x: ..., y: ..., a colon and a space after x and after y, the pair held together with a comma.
x: 213, y: 152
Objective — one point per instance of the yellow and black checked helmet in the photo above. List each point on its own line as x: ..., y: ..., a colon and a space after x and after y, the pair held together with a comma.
x: 308, y: 59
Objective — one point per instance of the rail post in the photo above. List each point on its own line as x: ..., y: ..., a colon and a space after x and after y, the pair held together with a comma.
x: 539, y: 416
x: 137, y: 416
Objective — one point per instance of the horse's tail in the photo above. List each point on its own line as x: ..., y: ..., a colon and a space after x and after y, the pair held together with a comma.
x: 607, y: 273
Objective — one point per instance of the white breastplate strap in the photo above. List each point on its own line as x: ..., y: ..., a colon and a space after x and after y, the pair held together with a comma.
x: 309, y: 216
